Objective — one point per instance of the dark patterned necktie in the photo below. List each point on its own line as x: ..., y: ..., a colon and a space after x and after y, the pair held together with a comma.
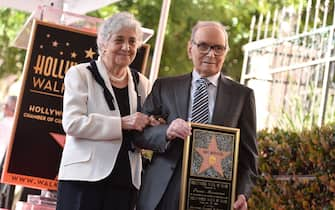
x: 200, y: 108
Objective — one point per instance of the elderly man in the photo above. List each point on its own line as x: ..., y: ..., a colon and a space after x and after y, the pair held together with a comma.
x: 175, y: 99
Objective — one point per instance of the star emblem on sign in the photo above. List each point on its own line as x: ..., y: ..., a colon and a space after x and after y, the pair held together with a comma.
x: 59, y: 138
x: 89, y: 53
x: 212, y: 157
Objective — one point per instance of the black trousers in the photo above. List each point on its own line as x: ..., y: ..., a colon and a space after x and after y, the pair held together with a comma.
x: 101, y: 195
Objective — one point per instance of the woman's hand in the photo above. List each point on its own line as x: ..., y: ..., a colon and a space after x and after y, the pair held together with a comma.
x: 137, y: 121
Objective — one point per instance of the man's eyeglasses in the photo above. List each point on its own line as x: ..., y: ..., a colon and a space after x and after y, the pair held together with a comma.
x: 205, y: 48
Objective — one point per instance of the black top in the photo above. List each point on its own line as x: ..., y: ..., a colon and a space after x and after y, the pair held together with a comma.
x: 121, y: 174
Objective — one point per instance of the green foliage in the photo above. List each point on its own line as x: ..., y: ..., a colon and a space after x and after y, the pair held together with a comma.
x: 12, y: 58
x: 236, y: 15
x: 292, y: 155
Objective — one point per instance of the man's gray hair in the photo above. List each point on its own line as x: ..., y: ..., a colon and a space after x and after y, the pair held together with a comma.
x: 114, y: 24
x: 217, y: 24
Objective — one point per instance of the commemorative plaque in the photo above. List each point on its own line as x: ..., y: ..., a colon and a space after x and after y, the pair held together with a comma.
x: 209, y: 168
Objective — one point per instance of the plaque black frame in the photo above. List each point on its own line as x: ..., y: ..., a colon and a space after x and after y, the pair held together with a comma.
x: 209, y: 186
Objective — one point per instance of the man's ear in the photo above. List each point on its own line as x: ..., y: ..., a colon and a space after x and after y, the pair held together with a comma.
x: 189, y: 49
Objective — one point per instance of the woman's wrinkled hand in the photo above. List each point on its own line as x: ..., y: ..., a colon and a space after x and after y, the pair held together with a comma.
x: 137, y: 121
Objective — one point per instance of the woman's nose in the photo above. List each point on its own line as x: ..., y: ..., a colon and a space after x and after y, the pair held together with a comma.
x: 125, y: 46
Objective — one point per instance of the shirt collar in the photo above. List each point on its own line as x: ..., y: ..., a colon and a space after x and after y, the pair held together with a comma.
x: 212, y: 79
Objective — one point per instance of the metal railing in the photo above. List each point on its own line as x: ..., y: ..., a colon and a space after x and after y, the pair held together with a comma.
x: 292, y: 72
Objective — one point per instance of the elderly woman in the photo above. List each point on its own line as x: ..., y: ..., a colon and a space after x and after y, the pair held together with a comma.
x: 100, y: 168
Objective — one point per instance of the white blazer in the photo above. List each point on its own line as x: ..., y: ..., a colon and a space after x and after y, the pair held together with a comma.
x: 93, y: 132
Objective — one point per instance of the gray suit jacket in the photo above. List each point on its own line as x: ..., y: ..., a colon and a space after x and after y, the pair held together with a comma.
x: 169, y: 98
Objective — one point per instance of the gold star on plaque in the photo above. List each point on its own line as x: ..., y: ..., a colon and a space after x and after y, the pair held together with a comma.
x: 212, y: 157
x: 89, y: 53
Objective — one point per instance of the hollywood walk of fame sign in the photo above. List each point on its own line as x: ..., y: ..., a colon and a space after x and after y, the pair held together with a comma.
x: 37, y: 139
x: 209, y: 168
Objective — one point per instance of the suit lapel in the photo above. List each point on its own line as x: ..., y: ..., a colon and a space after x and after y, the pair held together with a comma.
x: 222, y: 101
x: 182, y: 95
